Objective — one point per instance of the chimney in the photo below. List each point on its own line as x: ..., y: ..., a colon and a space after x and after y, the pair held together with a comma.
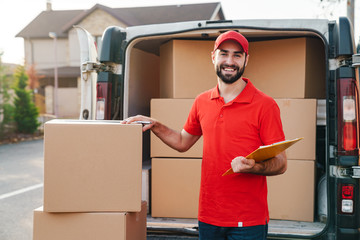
x: 48, y: 5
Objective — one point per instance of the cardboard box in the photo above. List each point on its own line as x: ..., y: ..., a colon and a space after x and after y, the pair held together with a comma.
x: 288, y: 68
x: 291, y: 195
x: 299, y: 120
x: 92, y: 166
x: 143, y: 82
x: 175, y: 187
x: 90, y: 226
x: 186, y: 68
x: 173, y: 113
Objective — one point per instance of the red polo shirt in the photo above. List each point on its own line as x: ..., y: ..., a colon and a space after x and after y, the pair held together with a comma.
x: 229, y: 130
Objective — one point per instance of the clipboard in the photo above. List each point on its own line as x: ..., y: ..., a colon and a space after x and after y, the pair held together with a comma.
x: 268, y: 151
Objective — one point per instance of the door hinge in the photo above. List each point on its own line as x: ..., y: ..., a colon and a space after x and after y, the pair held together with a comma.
x: 101, y: 67
x: 345, y: 172
x: 356, y: 60
x: 353, y: 61
x: 355, y: 172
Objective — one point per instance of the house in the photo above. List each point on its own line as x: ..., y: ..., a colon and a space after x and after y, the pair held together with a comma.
x: 41, y: 49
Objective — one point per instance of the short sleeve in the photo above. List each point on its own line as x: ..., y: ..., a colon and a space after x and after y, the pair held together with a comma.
x: 271, y: 130
x: 192, y: 124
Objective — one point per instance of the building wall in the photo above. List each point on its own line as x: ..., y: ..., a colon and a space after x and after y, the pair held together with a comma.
x: 42, y: 52
x: 98, y: 21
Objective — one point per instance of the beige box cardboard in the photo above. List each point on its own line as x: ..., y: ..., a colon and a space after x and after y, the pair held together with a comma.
x: 186, y: 68
x: 143, y: 82
x: 92, y: 166
x: 288, y: 68
x: 175, y: 187
x: 173, y: 113
x: 291, y: 195
x: 299, y: 120
x: 90, y: 226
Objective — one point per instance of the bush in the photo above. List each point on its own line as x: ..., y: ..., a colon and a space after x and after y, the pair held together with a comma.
x: 6, y: 107
x: 26, y: 113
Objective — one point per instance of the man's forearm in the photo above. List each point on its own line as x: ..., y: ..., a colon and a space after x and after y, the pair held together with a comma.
x: 180, y: 141
x: 273, y: 166
x: 170, y: 137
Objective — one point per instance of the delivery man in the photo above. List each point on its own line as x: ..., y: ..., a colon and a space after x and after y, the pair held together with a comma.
x: 234, y: 118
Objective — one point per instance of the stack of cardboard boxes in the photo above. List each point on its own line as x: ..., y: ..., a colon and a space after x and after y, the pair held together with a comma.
x: 292, y: 71
x: 92, y: 182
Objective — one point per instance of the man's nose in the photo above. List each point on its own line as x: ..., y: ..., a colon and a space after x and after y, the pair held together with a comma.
x: 229, y: 60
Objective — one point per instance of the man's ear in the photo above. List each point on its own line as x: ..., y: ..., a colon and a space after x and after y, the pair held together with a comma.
x: 213, y: 56
x: 247, y: 59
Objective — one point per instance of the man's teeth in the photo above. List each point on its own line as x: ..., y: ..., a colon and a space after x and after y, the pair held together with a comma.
x: 229, y: 69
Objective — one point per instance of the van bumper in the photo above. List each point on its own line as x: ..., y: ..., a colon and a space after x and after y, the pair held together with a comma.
x: 348, y: 233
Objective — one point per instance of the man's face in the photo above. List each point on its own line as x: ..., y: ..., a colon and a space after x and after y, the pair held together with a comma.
x: 229, y: 61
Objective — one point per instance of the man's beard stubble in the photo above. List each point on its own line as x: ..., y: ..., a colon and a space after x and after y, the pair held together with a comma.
x: 230, y: 79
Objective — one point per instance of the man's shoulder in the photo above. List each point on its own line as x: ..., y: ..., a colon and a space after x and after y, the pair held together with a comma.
x: 206, y: 95
x: 263, y: 97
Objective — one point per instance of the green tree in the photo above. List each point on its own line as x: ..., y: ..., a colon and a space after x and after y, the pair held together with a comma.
x: 26, y: 113
x: 6, y: 106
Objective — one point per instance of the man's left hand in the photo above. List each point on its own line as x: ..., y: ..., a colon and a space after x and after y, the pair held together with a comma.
x: 241, y: 164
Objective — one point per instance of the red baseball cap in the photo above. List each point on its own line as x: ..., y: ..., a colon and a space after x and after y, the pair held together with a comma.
x: 232, y: 35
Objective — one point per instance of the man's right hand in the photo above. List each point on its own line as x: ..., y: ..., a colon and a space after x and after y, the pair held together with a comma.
x: 147, y: 122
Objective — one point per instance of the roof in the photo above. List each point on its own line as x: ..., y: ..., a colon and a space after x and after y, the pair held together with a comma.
x: 62, y: 21
x: 48, y: 21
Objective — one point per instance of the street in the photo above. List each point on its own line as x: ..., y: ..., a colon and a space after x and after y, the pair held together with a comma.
x: 21, y: 191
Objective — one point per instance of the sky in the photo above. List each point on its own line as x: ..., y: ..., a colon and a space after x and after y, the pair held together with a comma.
x: 17, y: 14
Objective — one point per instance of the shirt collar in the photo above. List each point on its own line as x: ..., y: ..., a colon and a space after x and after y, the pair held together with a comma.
x: 246, y: 96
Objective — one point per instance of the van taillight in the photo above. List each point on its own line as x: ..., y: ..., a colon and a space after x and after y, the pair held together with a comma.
x: 348, y: 117
x: 103, y: 101
x: 346, y: 198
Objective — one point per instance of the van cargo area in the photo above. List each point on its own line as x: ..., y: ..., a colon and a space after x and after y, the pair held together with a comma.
x: 166, y: 73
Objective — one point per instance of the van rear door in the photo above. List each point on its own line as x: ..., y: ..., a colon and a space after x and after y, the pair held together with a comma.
x: 343, y: 137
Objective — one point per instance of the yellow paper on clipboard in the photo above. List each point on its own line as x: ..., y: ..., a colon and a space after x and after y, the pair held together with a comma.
x: 268, y: 151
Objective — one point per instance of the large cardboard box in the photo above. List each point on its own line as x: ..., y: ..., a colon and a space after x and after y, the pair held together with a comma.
x: 291, y: 195
x: 90, y: 226
x: 173, y: 113
x: 92, y: 166
x: 175, y: 187
x: 299, y: 120
x: 186, y: 68
x: 288, y: 68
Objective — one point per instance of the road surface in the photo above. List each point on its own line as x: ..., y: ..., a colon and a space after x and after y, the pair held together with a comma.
x: 21, y: 188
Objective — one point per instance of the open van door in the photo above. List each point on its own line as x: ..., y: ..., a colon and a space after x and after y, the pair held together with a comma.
x: 88, y: 59
x: 101, y: 80
x: 343, y: 134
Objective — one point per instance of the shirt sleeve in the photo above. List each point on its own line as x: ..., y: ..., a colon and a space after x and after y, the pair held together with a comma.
x: 271, y: 130
x: 192, y: 124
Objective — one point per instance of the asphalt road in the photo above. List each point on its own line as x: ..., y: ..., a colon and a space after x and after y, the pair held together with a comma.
x: 21, y: 191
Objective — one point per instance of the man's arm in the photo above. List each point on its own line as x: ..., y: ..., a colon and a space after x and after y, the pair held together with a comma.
x: 180, y: 141
x: 274, y: 166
